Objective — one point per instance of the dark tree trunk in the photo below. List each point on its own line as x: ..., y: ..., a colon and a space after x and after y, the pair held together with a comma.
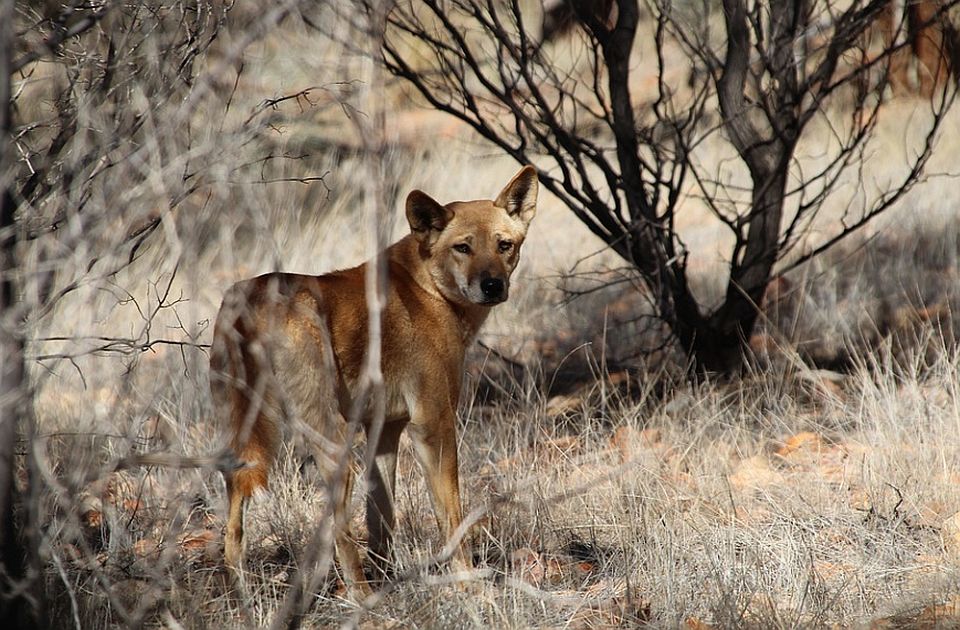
x: 722, y: 341
x: 21, y: 606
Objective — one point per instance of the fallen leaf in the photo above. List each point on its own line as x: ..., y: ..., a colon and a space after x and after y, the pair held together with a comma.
x: 805, y: 440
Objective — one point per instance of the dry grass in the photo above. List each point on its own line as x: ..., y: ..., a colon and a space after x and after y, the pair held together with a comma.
x: 765, y: 502
x: 608, y: 496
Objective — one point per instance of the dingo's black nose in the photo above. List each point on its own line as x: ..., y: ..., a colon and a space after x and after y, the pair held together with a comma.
x: 492, y: 288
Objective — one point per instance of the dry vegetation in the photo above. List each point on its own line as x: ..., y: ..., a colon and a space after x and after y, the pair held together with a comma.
x: 820, y: 490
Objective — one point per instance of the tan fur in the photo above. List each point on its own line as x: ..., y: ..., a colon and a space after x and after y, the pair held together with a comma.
x: 289, y: 349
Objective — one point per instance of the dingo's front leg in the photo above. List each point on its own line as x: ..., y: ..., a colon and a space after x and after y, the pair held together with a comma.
x: 435, y: 444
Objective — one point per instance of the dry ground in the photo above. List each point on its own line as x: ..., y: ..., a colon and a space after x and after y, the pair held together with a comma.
x: 608, y: 494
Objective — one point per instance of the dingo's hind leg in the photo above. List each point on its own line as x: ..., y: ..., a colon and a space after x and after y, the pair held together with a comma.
x: 381, y: 517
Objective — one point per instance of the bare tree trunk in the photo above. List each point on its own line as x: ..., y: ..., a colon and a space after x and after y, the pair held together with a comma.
x: 719, y: 343
x: 764, y: 133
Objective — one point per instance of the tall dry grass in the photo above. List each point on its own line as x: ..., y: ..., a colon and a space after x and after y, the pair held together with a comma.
x: 610, y: 492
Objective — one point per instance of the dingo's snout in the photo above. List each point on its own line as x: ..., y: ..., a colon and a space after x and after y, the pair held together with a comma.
x: 494, y: 290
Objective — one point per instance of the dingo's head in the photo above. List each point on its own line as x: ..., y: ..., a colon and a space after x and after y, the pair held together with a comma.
x: 472, y: 247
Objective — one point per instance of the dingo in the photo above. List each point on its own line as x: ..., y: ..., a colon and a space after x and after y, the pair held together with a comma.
x: 291, y: 348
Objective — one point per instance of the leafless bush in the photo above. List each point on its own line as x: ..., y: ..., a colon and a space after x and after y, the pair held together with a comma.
x: 624, y: 159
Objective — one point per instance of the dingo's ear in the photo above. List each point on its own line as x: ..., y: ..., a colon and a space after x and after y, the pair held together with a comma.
x: 519, y: 198
x: 426, y: 217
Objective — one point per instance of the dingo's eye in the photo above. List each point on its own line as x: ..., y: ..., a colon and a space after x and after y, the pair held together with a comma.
x: 505, y: 246
x: 463, y: 248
